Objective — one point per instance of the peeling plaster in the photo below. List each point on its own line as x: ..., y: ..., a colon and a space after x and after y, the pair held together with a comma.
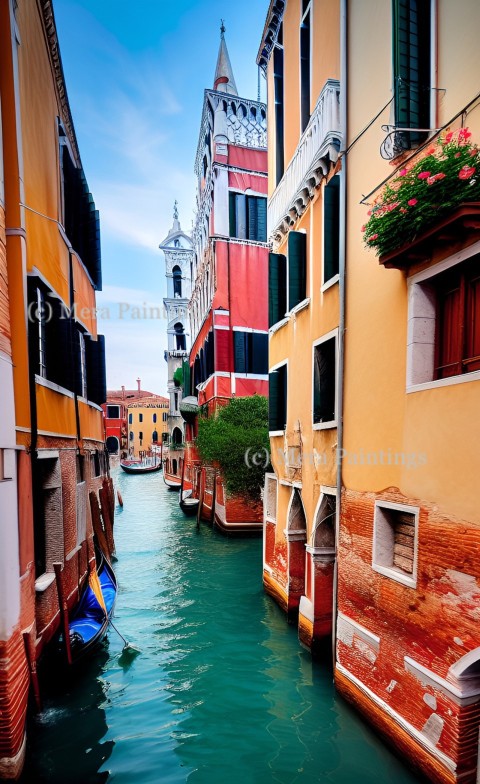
x: 432, y: 729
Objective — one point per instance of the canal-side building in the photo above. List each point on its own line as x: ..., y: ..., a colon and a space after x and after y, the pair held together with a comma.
x: 300, y: 55
x: 408, y: 637
x: 52, y: 360
x: 177, y: 248
x: 147, y: 424
x: 403, y: 397
x: 116, y: 419
x: 228, y: 306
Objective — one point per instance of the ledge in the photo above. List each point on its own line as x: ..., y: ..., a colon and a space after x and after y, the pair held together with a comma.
x: 44, y: 581
x: 460, y: 225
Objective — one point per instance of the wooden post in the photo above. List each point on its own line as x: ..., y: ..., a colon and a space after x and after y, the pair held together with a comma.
x: 62, y: 601
x: 30, y: 652
x: 107, y: 522
x: 97, y: 525
x: 214, y: 496
x: 183, y: 475
x: 200, y: 502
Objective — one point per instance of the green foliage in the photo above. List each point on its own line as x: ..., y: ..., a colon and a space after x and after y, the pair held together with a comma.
x: 424, y: 191
x: 178, y: 377
x: 236, y: 439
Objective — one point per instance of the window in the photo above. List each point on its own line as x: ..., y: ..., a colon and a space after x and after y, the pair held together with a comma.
x: 324, y: 382
x: 323, y: 536
x: 177, y: 281
x: 176, y: 400
x: 140, y: 417
x: 331, y: 228
x: 165, y: 416
x: 277, y: 288
x: 154, y: 436
x: 113, y: 412
x: 180, y: 340
x: 96, y: 463
x: 395, y: 541
x: 130, y: 419
x: 305, y: 68
x: 411, y: 65
x: 444, y: 322
x: 277, y: 403
x: 250, y: 352
x: 270, y: 497
x: 131, y: 436
x: 41, y: 316
x: 279, y: 110
x: 48, y: 530
x: 140, y: 436
x: 297, y: 268
x: 154, y: 418
x: 82, y: 365
x: 248, y: 217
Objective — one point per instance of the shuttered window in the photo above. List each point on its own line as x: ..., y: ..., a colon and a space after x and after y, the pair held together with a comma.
x: 324, y: 381
x: 297, y: 268
x: 277, y: 399
x: 278, y: 89
x: 277, y: 288
x: 248, y: 217
x: 394, y: 541
x: 96, y: 372
x: 411, y: 60
x: 305, y: 70
x: 250, y: 352
x: 457, y: 341
x: 331, y: 228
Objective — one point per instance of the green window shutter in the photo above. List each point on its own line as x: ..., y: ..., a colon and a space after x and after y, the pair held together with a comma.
x: 331, y: 228
x: 324, y: 374
x: 259, y: 353
x: 411, y: 62
x: 262, y: 219
x: 278, y: 88
x: 277, y: 398
x: 96, y: 374
x: 239, y: 352
x: 277, y: 288
x: 252, y: 218
x: 186, y: 378
x: 297, y: 268
x: 231, y: 212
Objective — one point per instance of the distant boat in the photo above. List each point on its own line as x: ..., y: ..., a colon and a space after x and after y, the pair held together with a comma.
x: 140, y: 467
x: 89, y: 621
x: 188, y: 504
x: 170, y: 474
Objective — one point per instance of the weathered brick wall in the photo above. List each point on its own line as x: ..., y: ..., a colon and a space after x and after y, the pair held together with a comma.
x: 14, y: 684
x: 434, y: 624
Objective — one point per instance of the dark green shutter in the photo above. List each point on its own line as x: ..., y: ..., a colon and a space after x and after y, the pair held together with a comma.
x: 259, y: 354
x: 231, y: 213
x: 186, y: 377
x: 277, y: 399
x: 262, y: 219
x: 60, y: 345
x: 331, y: 228
x: 297, y: 268
x: 411, y: 60
x: 278, y: 88
x: 96, y: 373
x: 324, y: 374
x: 305, y: 71
x: 239, y: 352
x: 252, y: 230
x: 277, y: 288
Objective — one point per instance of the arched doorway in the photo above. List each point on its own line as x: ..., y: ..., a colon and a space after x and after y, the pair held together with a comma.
x: 296, y: 539
x: 113, y: 445
x: 177, y: 281
x: 181, y: 343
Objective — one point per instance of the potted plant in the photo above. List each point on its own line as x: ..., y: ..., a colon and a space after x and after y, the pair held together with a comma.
x: 424, y: 192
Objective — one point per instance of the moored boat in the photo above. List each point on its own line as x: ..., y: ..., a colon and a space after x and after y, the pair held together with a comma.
x: 140, y: 467
x: 188, y: 503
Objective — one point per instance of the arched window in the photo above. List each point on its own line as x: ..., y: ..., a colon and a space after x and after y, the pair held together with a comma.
x: 177, y: 436
x: 154, y: 418
x: 154, y: 436
x: 131, y: 435
x: 177, y: 281
x: 180, y: 337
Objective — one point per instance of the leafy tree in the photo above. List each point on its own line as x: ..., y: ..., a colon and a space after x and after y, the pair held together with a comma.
x: 236, y: 439
x: 178, y: 377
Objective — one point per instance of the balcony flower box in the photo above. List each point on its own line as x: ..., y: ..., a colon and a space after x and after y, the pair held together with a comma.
x: 434, y: 198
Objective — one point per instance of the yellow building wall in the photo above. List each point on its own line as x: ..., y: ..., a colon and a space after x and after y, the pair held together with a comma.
x: 437, y: 430
x: 55, y: 412
x: 146, y: 427
x: 91, y: 422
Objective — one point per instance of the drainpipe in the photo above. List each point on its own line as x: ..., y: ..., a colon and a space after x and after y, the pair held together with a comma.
x: 342, y: 271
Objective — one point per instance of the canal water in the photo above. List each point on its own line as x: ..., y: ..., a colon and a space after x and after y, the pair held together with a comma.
x: 221, y: 692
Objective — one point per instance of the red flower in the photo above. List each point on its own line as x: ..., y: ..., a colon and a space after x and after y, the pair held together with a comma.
x: 466, y: 172
x: 402, y: 172
x: 435, y: 177
x: 373, y: 237
x: 464, y: 134
x: 440, y: 176
x: 363, y: 228
x: 424, y: 175
x: 412, y: 202
x: 449, y: 137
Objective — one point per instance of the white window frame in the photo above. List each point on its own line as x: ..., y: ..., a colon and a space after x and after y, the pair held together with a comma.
x: 421, y: 327
x: 379, y: 547
x: 333, y: 422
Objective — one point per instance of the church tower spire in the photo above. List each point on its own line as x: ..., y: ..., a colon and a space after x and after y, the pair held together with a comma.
x: 224, y: 80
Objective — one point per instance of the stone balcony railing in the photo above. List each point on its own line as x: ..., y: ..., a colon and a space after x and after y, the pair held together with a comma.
x: 318, y: 147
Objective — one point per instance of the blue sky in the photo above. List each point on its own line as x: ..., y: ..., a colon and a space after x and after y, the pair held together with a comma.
x: 135, y: 76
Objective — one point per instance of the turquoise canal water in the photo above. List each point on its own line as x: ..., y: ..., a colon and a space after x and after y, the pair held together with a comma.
x: 222, y: 691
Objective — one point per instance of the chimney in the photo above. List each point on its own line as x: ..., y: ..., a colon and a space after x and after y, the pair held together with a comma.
x: 138, y: 384
x: 123, y: 392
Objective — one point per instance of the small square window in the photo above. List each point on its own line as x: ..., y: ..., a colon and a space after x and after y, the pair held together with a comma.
x: 395, y: 542
x: 325, y: 383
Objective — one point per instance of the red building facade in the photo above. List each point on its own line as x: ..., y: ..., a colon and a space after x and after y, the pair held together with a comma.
x: 228, y: 307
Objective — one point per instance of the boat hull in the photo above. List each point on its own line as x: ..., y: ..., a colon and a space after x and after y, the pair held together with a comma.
x: 139, y: 469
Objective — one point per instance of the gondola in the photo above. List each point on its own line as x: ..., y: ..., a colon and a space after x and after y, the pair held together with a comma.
x: 140, y: 468
x: 89, y: 623
x: 188, y: 504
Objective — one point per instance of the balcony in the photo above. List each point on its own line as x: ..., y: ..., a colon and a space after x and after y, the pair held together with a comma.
x: 318, y: 147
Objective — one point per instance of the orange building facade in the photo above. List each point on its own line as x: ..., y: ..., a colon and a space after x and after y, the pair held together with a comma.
x: 371, y: 525
x: 52, y: 360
